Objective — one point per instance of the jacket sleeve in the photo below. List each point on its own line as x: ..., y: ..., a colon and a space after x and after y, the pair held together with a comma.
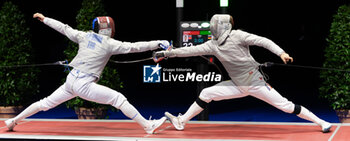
x: 64, y: 29
x: 251, y: 39
x: 202, y: 49
x: 118, y: 47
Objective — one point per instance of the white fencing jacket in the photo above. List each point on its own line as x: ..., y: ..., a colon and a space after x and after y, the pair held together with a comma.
x: 234, y: 54
x: 95, y: 49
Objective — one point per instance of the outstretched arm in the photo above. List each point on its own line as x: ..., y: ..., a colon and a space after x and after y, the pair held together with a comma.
x: 118, y: 47
x: 202, y: 49
x: 251, y: 39
x: 66, y: 30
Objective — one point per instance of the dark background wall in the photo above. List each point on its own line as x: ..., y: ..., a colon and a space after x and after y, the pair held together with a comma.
x: 299, y: 27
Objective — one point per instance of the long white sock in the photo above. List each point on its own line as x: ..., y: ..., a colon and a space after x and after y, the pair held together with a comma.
x: 194, y: 110
x: 131, y: 112
x: 307, y: 115
x: 31, y: 110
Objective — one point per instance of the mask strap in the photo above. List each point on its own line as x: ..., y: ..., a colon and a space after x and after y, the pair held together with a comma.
x: 93, y: 23
x: 108, y: 22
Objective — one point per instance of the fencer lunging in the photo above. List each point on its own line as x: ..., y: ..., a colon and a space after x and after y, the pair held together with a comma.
x: 231, y: 47
x: 95, y: 49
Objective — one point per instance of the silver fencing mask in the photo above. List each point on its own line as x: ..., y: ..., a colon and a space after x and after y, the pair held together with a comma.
x: 220, y: 27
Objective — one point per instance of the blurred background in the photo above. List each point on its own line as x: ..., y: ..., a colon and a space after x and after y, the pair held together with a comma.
x: 299, y: 27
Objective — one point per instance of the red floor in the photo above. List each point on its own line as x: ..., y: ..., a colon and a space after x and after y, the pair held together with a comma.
x: 343, y: 134
x: 202, y: 130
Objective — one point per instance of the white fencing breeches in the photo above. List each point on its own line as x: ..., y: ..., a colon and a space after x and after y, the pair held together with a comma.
x: 228, y: 90
x: 82, y: 85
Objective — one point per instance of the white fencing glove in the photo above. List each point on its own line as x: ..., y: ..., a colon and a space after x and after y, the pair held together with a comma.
x: 160, y: 55
x: 164, y: 45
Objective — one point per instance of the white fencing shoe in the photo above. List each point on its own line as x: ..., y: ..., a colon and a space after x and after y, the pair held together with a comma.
x: 326, y: 127
x: 10, y: 123
x: 176, y: 121
x: 154, y: 124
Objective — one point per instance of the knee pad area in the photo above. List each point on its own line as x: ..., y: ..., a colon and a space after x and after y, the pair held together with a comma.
x: 43, y: 106
x: 206, y: 95
x: 201, y: 103
x: 297, y: 109
x: 288, y: 107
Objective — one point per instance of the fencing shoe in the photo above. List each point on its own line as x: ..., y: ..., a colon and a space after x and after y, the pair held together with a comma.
x: 176, y: 121
x: 326, y: 127
x: 10, y: 123
x: 154, y: 124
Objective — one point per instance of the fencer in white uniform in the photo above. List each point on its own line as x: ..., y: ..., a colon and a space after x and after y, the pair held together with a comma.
x: 95, y: 49
x: 231, y: 47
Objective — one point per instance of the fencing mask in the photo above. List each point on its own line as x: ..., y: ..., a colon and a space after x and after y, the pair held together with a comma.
x: 103, y: 25
x: 220, y: 27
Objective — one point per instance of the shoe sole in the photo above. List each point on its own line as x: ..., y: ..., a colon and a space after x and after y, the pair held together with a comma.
x: 326, y: 130
x: 169, y: 117
x: 161, y: 123
x: 10, y: 125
